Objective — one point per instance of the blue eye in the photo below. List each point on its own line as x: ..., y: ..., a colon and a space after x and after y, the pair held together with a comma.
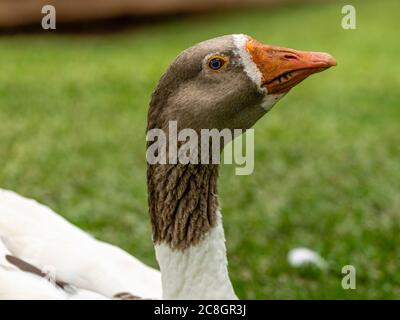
x: 216, y: 63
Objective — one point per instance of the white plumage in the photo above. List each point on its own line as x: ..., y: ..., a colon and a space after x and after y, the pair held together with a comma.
x: 36, y: 234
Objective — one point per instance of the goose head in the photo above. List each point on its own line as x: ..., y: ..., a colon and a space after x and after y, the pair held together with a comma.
x: 229, y: 82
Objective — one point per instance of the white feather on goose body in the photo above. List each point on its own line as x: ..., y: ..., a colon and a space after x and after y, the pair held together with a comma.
x: 39, y: 236
x: 17, y: 284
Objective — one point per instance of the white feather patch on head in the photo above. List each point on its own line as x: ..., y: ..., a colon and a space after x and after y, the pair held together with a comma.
x: 250, y: 67
x: 254, y: 73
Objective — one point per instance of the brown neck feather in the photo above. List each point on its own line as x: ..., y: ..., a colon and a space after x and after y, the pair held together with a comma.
x: 183, y: 202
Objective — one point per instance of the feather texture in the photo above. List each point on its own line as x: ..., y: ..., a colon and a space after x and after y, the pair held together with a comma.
x: 37, y: 235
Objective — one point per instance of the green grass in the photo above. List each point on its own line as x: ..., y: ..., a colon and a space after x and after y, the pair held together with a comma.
x: 327, y: 170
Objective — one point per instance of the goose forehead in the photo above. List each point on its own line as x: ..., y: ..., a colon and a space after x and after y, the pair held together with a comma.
x: 250, y: 68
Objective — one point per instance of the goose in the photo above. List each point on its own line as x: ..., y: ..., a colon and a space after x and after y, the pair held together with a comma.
x: 226, y: 82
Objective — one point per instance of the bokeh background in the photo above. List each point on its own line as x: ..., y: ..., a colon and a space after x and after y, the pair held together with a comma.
x: 73, y: 106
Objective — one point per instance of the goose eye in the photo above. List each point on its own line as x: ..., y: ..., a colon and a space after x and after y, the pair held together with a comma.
x: 216, y: 63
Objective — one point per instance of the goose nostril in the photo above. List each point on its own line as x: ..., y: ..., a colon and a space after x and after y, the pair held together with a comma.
x: 290, y: 57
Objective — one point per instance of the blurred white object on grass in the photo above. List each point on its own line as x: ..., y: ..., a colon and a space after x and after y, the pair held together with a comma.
x: 299, y: 257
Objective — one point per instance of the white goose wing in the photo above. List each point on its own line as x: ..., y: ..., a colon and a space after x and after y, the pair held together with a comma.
x: 19, y: 285
x: 36, y: 234
x: 15, y: 284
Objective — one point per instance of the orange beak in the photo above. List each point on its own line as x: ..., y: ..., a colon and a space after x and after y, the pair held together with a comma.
x: 283, y: 68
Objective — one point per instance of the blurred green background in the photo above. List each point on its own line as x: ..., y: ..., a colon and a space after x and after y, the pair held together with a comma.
x: 327, y: 171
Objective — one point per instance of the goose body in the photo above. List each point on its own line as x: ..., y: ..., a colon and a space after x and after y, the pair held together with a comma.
x: 226, y: 82
x: 36, y: 234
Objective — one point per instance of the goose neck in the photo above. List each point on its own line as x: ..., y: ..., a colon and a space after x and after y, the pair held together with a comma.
x: 188, y: 232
